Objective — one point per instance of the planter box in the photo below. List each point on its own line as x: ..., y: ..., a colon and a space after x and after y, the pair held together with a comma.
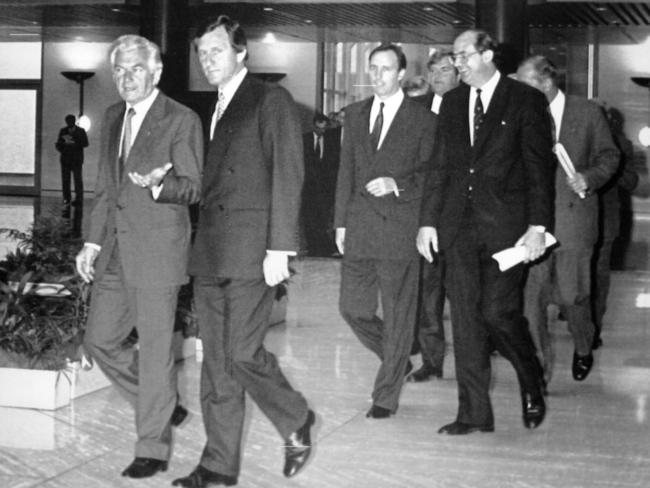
x: 48, y: 390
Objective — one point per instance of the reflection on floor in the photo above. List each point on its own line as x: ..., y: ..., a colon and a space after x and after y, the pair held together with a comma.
x: 597, y: 433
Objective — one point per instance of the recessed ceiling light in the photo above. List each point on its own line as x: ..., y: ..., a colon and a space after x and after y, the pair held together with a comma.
x: 456, y: 21
x: 307, y: 21
x: 602, y: 9
x: 427, y: 9
x: 268, y: 9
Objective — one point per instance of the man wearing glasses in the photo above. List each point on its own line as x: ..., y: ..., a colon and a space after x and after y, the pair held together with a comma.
x: 490, y: 188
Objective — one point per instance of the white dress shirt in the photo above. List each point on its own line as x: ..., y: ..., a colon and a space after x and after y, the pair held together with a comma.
x: 391, y: 106
x: 141, y: 108
x: 557, y: 112
x: 435, y: 104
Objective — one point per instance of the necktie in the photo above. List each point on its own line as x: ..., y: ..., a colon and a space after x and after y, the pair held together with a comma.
x: 219, y: 109
x: 126, y: 142
x: 376, y: 128
x: 478, y: 112
x: 318, y: 147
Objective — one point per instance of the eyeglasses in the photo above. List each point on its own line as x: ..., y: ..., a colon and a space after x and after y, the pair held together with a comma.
x: 462, y: 57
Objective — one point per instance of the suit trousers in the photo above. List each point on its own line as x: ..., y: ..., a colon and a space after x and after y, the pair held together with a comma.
x: 233, y: 320
x: 485, y: 313
x: 430, y: 326
x: 390, y: 338
x: 72, y: 170
x: 145, y: 376
x: 563, y: 278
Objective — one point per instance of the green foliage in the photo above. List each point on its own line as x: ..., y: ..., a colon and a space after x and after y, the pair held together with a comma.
x: 41, y: 331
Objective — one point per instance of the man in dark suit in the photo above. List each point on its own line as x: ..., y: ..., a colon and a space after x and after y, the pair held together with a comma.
x: 430, y: 330
x: 138, y: 244
x: 71, y: 143
x: 247, y: 229
x: 322, y: 147
x: 386, y: 143
x: 490, y: 188
x: 564, y: 276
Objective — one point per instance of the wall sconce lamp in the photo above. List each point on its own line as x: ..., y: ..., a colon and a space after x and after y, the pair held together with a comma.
x: 80, y: 77
x: 644, y: 134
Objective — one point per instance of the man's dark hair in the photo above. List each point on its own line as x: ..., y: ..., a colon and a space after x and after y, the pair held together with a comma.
x: 70, y: 119
x: 437, y: 56
x: 233, y: 29
x: 485, y: 42
x: 319, y: 118
x: 401, y: 58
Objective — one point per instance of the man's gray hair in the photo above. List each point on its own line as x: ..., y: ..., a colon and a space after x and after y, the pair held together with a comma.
x: 129, y: 42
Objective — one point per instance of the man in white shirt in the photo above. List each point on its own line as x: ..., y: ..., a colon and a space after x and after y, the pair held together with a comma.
x: 387, y: 143
x: 430, y: 331
x: 138, y: 242
x: 564, y: 276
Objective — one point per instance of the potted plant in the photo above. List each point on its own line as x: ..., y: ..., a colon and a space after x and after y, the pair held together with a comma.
x: 43, y: 311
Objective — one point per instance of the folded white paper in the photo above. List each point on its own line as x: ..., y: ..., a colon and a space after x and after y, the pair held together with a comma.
x: 515, y: 255
x: 566, y: 163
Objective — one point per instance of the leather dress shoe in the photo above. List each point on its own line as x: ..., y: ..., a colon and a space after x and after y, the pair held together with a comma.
x: 461, y: 428
x: 377, y: 412
x: 178, y: 415
x: 581, y: 366
x: 425, y: 373
x: 204, y: 478
x: 143, y: 467
x: 297, y: 448
x: 533, y: 409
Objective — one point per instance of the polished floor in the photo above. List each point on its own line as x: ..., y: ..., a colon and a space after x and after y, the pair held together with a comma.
x: 597, y: 433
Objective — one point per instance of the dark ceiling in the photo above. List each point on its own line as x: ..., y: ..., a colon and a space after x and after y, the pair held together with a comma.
x: 313, y: 20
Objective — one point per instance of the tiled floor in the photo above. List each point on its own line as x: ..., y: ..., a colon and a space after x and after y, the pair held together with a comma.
x: 597, y: 433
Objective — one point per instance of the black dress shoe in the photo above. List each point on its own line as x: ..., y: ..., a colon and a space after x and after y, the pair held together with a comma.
x: 581, y: 366
x: 178, y: 415
x: 533, y: 408
x: 143, y: 467
x: 297, y: 448
x: 203, y: 478
x: 377, y: 412
x: 460, y: 428
x: 425, y: 373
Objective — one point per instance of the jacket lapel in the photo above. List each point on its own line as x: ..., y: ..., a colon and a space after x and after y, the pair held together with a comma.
x: 141, y: 143
x: 115, y: 129
x: 365, y: 129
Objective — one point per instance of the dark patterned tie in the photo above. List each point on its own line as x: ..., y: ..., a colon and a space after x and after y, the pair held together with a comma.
x: 376, y: 128
x: 478, y: 112
x: 126, y: 142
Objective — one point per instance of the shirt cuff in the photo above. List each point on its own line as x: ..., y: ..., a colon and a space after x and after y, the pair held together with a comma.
x: 539, y: 228
x: 92, y: 245
x: 156, y: 191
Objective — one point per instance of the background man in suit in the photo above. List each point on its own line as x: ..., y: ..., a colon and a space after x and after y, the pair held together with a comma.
x: 138, y: 243
x: 564, y: 276
x: 71, y: 143
x: 491, y: 188
x: 248, y: 227
x: 430, y: 330
x: 386, y: 144
x: 322, y: 147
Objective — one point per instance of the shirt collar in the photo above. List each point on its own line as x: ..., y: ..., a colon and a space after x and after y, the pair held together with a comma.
x: 392, y: 103
x: 228, y: 90
x: 487, y: 90
x: 435, y: 103
x: 143, y: 106
x: 557, y: 104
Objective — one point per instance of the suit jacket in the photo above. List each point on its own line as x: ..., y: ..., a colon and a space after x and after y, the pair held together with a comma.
x: 153, y: 235
x: 385, y: 227
x: 586, y: 136
x: 506, y: 177
x: 320, y: 174
x: 426, y: 99
x: 252, y: 184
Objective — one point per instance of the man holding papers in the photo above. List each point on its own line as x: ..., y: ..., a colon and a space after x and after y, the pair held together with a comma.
x: 588, y: 158
x: 490, y: 187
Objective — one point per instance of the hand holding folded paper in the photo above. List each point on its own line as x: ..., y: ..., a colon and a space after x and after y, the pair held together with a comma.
x: 515, y: 255
x: 566, y: 163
